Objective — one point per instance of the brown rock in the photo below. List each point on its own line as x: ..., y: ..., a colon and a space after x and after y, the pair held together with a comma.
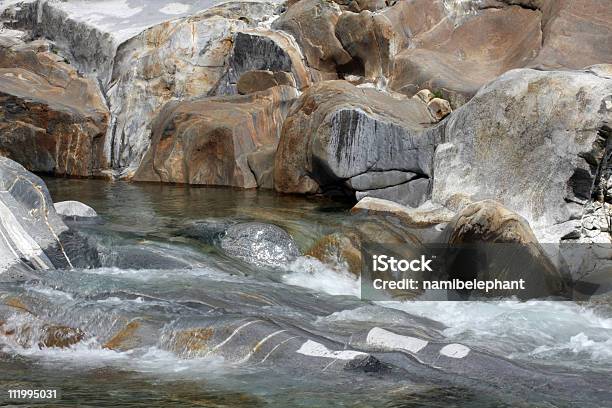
x: 51, y: 119
x: 260, y: 80
x: 577, y: 34
x: 60, y: 337
x: 312, y: 23
x: 206, y: 141
x: 336, y: 132
x: 515, y: 255
x: 339, y: 250
x: 407, y: 216
x: 458, y: 61
x: 439, y: 108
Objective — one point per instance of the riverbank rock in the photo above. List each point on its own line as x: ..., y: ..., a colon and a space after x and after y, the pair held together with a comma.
x: 458, y: 60
x: 206, y: 141
x: 506, y: 249
x: 534, y: 141
x: 75, y: 210
x: 260, y: 49
x: 260, y: 244
x: 313, y: 24
x: 424, y: 216
x: 51, y: 118
x: 34, y: 236
x: 143, y: 57
x: 340, y: 138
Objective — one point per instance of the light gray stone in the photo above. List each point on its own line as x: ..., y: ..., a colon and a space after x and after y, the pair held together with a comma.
x: 374, y: 180
x: 534, y: 141
x: 260, y: 244
x: 75, y: 210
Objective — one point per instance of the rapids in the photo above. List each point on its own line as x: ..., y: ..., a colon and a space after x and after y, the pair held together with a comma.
x: 145, y: 316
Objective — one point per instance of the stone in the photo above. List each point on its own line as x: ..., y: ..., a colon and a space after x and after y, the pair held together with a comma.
x: 313, y: 23
x: 264, y: 50
x: 336, y: 132
x: 576, y: 34
x: 458, y: 60
x: 376, y: 180
x: 439, y: 108
x: 143, y: 57
x: 261, y: 163
x: 512, y: 251
x: 420, y: 217
x: 75, y: 210
x: 532, y: 140
x: 52, y: 119
x: 412, y: 193
x: 260, y: 80
x: 34, y: 236
x: 259, y: 244
x: 342, y: 251
x: 206, y: 141
x: 425, y: 95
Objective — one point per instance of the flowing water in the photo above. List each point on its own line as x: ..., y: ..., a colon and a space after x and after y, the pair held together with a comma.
x: 167, y: 294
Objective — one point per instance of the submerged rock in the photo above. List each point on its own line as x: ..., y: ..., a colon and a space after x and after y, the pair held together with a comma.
x: 338, y: 137
x: 51, y: 118
x: 259, y: 243
x: 206, y: 141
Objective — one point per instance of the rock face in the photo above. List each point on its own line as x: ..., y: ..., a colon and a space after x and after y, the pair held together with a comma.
x: 512, y: 250
x: 577, y: 34
x: 458, y: 61
x: 177, y: 60
x: 313, y: 24
x: 207, y: 141
x: 422, y: 217
x: 51, y: 118
x: 264, y: 50
x: 534, y: 141
x: 142, y: 56
x: 338, y: 137
x: 260, y: 244
x: 33, y: 237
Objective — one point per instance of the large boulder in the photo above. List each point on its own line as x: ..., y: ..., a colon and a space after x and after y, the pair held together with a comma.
x: 51, y: 118
x: 457, y: 61
x: 576, y: 33
x: 259, y: 243
x: 257, y: 50
x: 178, y: 60
x: 536, y: 142
x: 339, y: 137
x: 207, y: 141
x: 506, y: 250
x: 312, y: 23
x: 143, y: 57
x: 33, y: 236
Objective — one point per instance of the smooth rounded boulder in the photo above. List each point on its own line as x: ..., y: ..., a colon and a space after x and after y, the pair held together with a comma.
x: 260, y: 244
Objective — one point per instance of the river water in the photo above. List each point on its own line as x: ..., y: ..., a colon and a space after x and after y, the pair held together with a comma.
x: 159, y: 285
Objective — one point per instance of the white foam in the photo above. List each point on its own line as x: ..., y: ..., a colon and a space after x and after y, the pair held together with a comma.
x: 312, y: 274
x: 387, y: 340
x: 314, y: 349
x: 559, y: 332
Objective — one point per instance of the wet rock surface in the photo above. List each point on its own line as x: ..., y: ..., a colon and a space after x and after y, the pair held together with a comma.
x: 34, y: 236
x: 259, y: 243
